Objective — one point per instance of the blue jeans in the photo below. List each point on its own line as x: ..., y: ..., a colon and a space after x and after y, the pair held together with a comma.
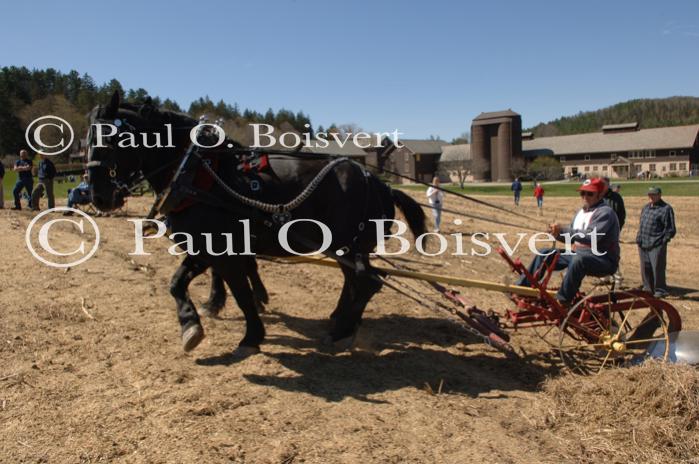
x: 539, y: 201
x: 517, y: 195
x: 78, y: 197
x: 27, y: 184
x: 580, y: 264
x: 437, y: 213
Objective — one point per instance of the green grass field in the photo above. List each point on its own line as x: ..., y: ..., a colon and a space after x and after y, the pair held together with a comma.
x: 670, y: 187
x: 60, y: 190
x: 681, y: 187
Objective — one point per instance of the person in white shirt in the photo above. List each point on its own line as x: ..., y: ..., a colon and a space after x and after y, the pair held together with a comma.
x: 436, y: 199
x: 594, y: 218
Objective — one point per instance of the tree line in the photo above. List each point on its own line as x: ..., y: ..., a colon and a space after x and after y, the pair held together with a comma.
x: 647, y: 112
x: 26, y: 94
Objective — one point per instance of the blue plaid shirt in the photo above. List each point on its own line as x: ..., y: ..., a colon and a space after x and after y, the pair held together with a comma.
x: 657, y: 225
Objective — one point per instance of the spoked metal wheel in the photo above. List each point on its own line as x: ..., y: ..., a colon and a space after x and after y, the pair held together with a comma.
x: 549, y: 334
x: 612, y: 329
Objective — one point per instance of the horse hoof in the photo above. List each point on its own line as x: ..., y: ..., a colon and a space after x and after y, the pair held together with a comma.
x: 342, y: 344
x: 243, y: 351
x: 192, y: 337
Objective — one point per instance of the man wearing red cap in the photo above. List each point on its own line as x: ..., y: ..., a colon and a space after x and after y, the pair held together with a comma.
x: 594, y: 233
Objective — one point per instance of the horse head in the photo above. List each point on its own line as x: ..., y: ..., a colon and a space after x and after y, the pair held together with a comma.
x: 117, y: 159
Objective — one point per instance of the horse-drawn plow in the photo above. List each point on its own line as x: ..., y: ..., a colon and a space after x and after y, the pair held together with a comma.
x: 598, y: 329
x: 603, y: 328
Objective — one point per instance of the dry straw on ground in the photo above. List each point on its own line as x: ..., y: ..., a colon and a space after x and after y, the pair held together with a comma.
x: 647, y: 413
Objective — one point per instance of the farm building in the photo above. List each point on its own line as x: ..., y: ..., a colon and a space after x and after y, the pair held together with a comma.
x: 499, y: 147
x: 622, y: 151
x: 413, y: 158
x: 496, y: 143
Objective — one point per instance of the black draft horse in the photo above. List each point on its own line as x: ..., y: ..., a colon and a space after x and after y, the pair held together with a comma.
x: 346, y: 200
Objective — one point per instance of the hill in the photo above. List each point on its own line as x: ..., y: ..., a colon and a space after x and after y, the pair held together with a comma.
x: 648, y: 112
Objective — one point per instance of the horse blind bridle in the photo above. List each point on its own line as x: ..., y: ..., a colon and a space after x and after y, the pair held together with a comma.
x: 110, y: 143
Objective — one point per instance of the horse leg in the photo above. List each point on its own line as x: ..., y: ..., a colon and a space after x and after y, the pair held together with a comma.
x: 362, y: 286
x: 217, y: 297
x: 254, y: 328
x: 258, y: 288
x: 344, y: 296
x: 192, y: 331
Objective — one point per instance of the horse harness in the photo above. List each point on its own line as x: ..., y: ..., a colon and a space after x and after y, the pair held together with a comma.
x: 196, y: 175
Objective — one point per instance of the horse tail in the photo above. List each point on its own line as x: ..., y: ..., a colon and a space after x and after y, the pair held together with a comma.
x: 411, y: 210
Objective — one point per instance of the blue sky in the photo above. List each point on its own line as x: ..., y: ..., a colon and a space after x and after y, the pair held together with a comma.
x: 422, y: 67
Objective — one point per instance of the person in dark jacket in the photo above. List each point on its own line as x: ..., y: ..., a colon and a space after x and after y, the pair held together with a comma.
x: 616, y: 202
x: 594, y: 217
x: 46, y: 174
x: 516, y: 187
x: 656, y: 229
x: 23, y: 168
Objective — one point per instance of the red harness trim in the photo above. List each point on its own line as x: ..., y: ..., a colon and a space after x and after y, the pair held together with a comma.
x: 202, y: 181
x: 258, y: 164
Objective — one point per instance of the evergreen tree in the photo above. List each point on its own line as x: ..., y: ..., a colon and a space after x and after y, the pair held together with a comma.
x: 25, y: 93
x: 648, y: 113
x: 171, y: 105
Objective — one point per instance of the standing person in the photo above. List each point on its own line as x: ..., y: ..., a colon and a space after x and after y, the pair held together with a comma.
x: 23, y: 168
x: 539, y: 194
x: 2, y: 194
x: 655, y: 231
x: 616, y: 202
x: 46, y: 173
x: 516, y: 187
x: 436, y: 198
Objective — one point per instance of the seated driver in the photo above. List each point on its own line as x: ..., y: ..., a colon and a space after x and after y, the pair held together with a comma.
x: 80, y: 195
x: 595, y: 215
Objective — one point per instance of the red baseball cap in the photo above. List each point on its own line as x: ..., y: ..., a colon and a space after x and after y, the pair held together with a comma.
x: 593, y: 185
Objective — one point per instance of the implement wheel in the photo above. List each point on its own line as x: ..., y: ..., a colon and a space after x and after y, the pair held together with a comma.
x: 614, y: 329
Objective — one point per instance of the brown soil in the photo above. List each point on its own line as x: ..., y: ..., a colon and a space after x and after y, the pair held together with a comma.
x: 91, y: 368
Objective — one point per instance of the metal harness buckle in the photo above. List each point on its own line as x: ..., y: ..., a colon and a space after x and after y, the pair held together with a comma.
x: 281, y: 217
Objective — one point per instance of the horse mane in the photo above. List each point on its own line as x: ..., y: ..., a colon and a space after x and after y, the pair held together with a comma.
x: 167, y: 116
x: 176, y: 118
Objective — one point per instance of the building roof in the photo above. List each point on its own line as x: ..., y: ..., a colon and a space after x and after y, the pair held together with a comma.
x: 334, y: 148
x: 458, y: 152
x: 626, y: 125
x: 425, y: 147
x: 621, y: 161
x: 660, y: 138
x: 496, y: 114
